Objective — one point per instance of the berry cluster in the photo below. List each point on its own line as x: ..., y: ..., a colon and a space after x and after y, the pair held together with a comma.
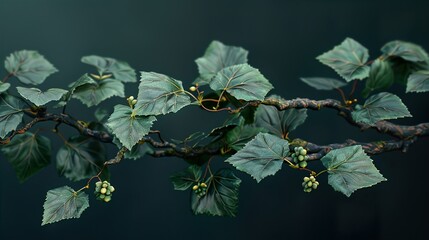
x: 131, y: 101
x: 103, y: 191
x: 300, y: 156
x: 200, y: 189
x: 310, y: 183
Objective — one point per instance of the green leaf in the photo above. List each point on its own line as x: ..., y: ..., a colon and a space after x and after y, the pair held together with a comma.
x: 230, y: 123
x: 242, y: 82
x: 84, y: 79
x: 261, y: 157
x: 11, y: 114
x: 405, y: 50
x: 4, y: 87
x: 240, y: 135
x: 80, y: 158
x: 128, y: 127
x: 350, y: 169
x: 40, y: 98
x: 101, y: 114
x: 160, y: 94
x: 381, y: 106
x: 321, y: 83
x: 279, y: 123
x: 28, y: 153
x: 217, y: 57
x: 402, y: 68
x: 348, y: 60
x: 63, y: 203
x: 221, y: 198
x: 93, y: 93
x: 185, y: 179
x: 380, y: 77
x: 418, y: 82
x: 138, y: 151
x: 29, y: 67
x: 120, y: 70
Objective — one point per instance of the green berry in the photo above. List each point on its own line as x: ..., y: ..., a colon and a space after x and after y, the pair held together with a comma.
x: 102, y: 196
x: 300, y: 148
x: 204, y: 185
x: 104, y: 185
x: 111, y: 189
x: 195, y: 187
x: 306, y: 179
x: 312, y: 178
x: 315, y: 186
x: 103, y: 190
x: 303, y: 152
x: 98, y: 184
x: 309, y: 184
x: 300, y: 158
x: 107, y: 198
x: 303, y: 164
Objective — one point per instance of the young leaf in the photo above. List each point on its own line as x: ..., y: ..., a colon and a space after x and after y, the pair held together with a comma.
x: 381, y: 106
x: 80, y: 158
x: 4, y: 87
x: 29, y: 67
x: 185, y: 179
x: 11, y: 113
x: 350, y: 169
x: 320, y: 83
x: 240, y: 135
x: 380, y: 77
x: 405, y: 50
x: 128, y: 127
x: 93, y: 93
x: 279, y: 123
x: 418, y: 82
x: 40, y: 98
x: 242, y: 82
x: 217, y: 57
x: 121, y: 70
x: 221, y: 198
x: 28, y: 153
x: 160, y: 94
x: 63, y: 203
x: 261, y: 157
x: 348, y: 60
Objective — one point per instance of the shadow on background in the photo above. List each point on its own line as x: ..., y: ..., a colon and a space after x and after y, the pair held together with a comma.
x: 283, y: 38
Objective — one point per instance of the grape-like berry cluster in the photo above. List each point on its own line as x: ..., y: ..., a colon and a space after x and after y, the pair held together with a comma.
x: 103, y: 191
x: 300, y: 157
x: 200, y: 189
x: 310, y: 183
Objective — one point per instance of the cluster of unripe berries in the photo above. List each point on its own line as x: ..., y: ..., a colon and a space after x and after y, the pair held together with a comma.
x: 200, y: 189
x: 300, y: 157
x: 103, y: 191
x: 131, y: 101
x: 310, y: 183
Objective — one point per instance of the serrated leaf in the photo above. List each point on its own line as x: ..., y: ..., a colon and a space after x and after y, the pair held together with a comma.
x: 347, y: 59
x: 350, y: 169
x: 381, y: 106
x: 321, y: 83
x: 11, y: 113
x: 261, y: 157
x: 138, y: 151
x: 242, y: 82
x: 160, y: 94
x: 105, y: 65
x: 405, y: 50
x: 128, y: 127
x: 63, y: 203
x: 217, y: 57
x: 28, y: 153
x: 4, y: 87
x: 80, y: 158
x: 185, y: 179
x: 418, y: 82
x: 93, y: 93
x: 380, y: 77
x: 40, y: 98
x: 279, y: 123
x: 29, y: 67
x: 101, y: 114
x: 221, y: 198
x: 240, y: 135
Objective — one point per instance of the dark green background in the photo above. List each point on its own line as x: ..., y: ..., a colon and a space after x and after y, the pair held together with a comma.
x: 283, y: 38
